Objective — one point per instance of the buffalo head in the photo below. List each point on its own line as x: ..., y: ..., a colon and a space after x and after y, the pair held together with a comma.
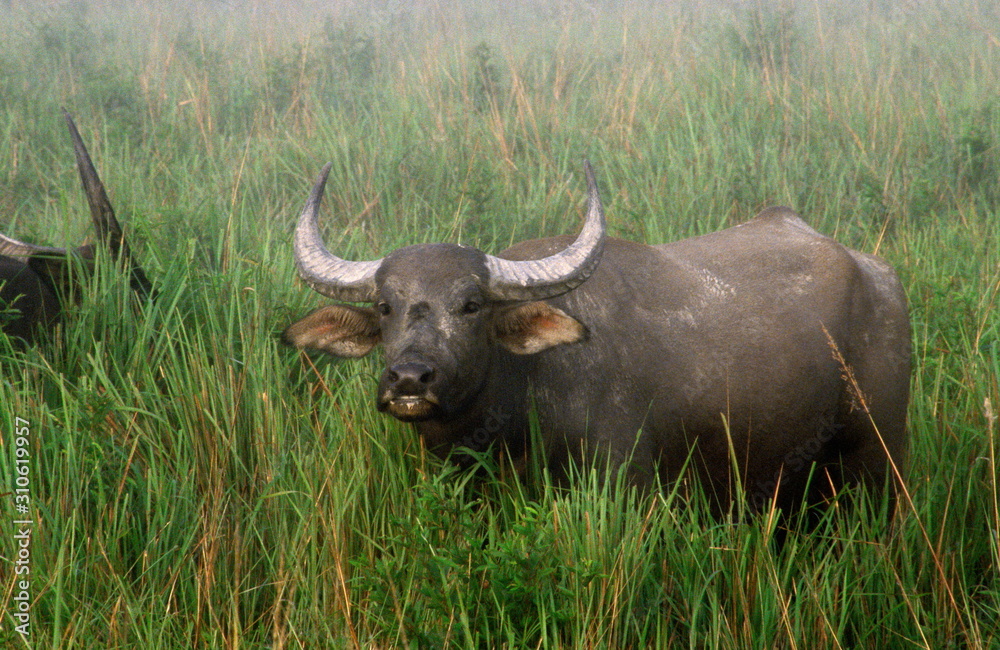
x: 445, y: 314
x: 36, y: 280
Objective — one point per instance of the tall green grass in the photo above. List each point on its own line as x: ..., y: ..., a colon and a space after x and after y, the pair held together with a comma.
x: 197, y: 484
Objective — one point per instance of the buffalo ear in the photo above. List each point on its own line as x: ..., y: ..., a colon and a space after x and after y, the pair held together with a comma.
x: 340, y: 330
x: 536, y: 326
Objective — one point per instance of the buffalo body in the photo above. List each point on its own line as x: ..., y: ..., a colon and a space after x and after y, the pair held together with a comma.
x: 766, y: 356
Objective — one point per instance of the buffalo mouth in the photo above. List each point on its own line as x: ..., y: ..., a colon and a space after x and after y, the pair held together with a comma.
x: 409, y: 408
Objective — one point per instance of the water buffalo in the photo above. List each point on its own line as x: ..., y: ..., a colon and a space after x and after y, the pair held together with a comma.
x: 735, y: 352
x: 36, y: 280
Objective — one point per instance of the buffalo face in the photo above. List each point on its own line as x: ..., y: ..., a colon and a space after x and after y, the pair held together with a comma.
x: 441, y: 330
x: 445, y: 314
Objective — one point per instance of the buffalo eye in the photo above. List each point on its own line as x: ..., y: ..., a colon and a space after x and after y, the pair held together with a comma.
x: 383, y: 308
x: 471, y: 307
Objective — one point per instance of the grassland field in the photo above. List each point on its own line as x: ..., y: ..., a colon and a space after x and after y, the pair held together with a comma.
x: 194, y: 483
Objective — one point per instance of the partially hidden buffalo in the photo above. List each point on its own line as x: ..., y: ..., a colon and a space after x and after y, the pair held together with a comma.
x: 35, y: 281
x: 765, y: 356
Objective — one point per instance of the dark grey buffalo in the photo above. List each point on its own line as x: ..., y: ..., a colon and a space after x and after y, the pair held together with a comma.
x: 35, y: 281
x: 719, y: 352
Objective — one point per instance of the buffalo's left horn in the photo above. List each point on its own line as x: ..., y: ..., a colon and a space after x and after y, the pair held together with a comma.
x: 559, y: 273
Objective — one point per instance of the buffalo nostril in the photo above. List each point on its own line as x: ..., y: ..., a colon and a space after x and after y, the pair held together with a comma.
x: 410, y: 376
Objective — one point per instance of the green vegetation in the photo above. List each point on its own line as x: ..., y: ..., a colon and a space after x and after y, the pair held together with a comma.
x: 196, y: 484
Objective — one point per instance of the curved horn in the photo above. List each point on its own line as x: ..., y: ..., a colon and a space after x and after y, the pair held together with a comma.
x: 18, y: 249
x: 559, y: 273
x: 108, y: 229
x: 322, y: 270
